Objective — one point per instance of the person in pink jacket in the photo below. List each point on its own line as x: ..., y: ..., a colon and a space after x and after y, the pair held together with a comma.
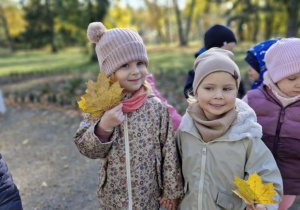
x: 176, y: 118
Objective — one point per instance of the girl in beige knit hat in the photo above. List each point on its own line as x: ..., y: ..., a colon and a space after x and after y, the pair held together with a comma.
x: 219, y: 138
x: 149, y: 171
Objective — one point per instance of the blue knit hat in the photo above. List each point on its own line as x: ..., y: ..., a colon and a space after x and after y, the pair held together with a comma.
x: 256, y: 59
x: 218, y: 36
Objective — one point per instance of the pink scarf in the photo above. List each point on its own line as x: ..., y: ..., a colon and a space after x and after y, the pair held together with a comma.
x: 136, y: 101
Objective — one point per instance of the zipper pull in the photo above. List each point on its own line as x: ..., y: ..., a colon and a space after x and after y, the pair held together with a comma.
x: 282, y: 113
x: 204, y: 150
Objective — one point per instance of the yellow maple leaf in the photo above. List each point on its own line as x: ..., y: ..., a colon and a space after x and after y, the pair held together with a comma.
x: 253, y: 190
x: 100, y: 95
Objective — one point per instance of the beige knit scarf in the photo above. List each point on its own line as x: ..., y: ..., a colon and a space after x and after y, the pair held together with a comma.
x: 211, y: 129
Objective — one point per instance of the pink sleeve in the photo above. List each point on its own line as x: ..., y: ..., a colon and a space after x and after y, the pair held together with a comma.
x: 102, y: 134
x: 176, y: 118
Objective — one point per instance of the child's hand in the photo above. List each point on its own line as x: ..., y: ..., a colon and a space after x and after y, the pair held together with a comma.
x: 257, y: 207
x: 112, y: 118
x: 169, y: 204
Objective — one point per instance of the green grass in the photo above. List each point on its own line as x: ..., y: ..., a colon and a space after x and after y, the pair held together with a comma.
x: 36, y: 61
x: 162, y: 58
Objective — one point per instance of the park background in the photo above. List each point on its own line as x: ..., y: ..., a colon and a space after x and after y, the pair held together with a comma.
x: 47, y: 39
x: 46, y: 59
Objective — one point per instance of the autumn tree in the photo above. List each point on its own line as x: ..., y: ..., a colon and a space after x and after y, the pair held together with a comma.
x: 6, y: 30
x: 95, y: 12
x: 38, y: 32
x: 183, y: 32
x: 11, y: 22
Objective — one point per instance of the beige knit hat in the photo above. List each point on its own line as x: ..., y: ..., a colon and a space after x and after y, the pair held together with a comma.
x: 116, y: 47
x: 212, y: 60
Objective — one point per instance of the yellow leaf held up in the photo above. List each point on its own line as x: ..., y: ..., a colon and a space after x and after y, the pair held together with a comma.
x: 253, y: 190
x: 100, y: 95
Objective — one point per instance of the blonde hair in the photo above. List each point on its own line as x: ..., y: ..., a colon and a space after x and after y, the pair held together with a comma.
x: 147, y: 86
x: 191, y: 99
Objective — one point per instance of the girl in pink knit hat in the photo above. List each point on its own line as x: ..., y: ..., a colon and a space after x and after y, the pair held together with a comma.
x: 144, y: 171
x: 277, y: 106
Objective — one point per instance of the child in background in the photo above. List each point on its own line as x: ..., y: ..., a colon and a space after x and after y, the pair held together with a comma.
x: 176, y: 118
x: 277, y: 106
x: 219, y: 138
x: 9, y: 194
x: 216, y: 36
x: 256, y: 60
x: 155, y: 169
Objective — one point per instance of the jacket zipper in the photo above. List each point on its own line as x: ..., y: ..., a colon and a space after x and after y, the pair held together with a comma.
x: 201, y: 183
x: 128, y: 172
x: 280, y: 121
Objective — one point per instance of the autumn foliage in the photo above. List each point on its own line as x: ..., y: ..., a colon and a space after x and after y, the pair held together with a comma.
x: 100, y: 95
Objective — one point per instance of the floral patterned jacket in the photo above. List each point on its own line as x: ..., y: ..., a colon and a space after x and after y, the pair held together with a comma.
x: 155, y: 168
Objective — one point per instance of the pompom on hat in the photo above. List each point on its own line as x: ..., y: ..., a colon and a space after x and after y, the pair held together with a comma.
x: 116, y: 46
x: 212, y: 60
x: 283, y: 58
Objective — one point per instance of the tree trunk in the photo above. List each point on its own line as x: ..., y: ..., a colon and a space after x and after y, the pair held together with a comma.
x: 51, y: 26
x: 189, y: 20
x: 11, y: 42
x: 53, y: 43
x: 97, y: 13
x: 206, y: 15
x: 168, y: 24
x: 240, y: 30
x: 183, y: 41
x: 94, y: 54
x: 268, y: 28
x: 292, y: 24
x: 256, y: 28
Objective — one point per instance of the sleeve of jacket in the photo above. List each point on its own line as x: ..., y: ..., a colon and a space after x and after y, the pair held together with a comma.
x: 172, y: 178
x: 261, y: 161
x: 178, y: 145
x: 9, y: 194
x: 88, y: 143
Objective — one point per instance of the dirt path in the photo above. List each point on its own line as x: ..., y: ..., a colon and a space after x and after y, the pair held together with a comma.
x: 45, y: 164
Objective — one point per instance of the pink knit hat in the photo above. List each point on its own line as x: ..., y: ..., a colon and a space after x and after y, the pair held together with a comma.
x: 283, y: 58
x: 116, y: 47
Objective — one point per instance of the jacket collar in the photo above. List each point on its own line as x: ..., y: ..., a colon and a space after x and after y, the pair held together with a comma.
x: 187, y: 125
x: 245, y: 125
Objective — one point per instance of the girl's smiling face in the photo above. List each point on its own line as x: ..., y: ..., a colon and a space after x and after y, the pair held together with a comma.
x: 290, y: 85
x: 131, y: 75
x: 216, y: 94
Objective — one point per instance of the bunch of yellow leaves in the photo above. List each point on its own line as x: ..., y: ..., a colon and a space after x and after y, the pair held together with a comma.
x: 254, y: 191
x: 100, y: 95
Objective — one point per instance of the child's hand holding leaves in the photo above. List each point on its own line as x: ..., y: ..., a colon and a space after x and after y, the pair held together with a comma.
x: 100, y: 95
x: 254, y: 192
x: 112, y: 118
x: 257, y: 207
